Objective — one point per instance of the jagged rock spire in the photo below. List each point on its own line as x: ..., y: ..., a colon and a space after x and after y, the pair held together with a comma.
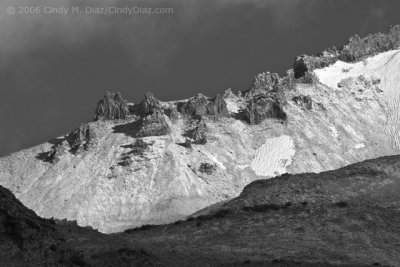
x: 200, y: 105
x: 150, y: 104
x: 264, y: 82
x: 111, y: 107
x: 263, y: 108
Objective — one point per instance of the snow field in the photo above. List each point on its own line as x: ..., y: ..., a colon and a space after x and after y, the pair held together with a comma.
x: 384, y: 68
x: 274, y: 156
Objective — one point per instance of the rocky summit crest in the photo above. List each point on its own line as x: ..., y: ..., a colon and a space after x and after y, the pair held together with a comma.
x: 356, y: 49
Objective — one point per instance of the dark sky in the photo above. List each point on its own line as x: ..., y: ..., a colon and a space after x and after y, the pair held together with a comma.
x: 54, y: 68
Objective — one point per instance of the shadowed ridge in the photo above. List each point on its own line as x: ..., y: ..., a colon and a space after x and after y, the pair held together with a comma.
x: 22, y: 231
x: 345, y: 217
x: 28, y: 240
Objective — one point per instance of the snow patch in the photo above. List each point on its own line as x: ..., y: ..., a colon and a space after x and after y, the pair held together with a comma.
x: 357, y: 146
x: 384, y: 68
x: 274, y: 156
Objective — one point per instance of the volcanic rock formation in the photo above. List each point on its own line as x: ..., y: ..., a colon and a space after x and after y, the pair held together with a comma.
x: 149, y: 105
x: 265, y: 99
x: 111, y: 107
x: 200, y: 105
x: 264, y: 82
x: 262, y: 107
x: 197, y: 135
x: 154, y: 124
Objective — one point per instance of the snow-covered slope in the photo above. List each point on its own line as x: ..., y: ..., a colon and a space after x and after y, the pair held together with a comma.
x: 382, y: 69
x: 158, y: 162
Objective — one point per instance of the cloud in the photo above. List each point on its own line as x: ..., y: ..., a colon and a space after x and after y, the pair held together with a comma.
x: 282, y: 13
x: 139, y: 35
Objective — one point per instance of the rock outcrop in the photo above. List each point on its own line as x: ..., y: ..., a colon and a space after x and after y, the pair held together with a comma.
x: 262, y: 108
x: 81, y: 137
x: 197, y: 135
x: 172, y: 113
x: 303, y: 100
x: 288, y: 82
x: 228, y: 93
x: 154, y: 124
x: 72, y: 143
x: 265, y: 98
x: 217, y: 107
x: 207, y: 168
x: 305, y: 64
x: 139, y: 147
x: 265, y: 82
x: 197, y: 106
x: 112, y: 106
x: 200, y: 105
x: 149, y: 105
x: 58, y: 151
x: 357, y: 48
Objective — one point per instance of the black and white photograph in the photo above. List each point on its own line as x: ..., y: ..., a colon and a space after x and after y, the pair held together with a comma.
x: 200, y: 133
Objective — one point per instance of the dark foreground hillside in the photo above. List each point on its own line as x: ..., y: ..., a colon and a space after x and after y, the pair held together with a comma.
x: 28, y: 240
x: 346, y: 217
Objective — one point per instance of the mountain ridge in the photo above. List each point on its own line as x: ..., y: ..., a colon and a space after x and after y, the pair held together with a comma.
x: 157, y: 162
